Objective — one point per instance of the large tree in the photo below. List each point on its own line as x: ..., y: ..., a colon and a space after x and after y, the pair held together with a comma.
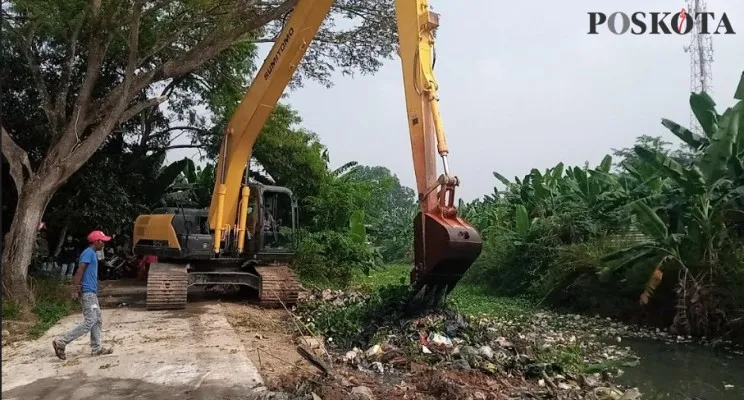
x: 97, y: 64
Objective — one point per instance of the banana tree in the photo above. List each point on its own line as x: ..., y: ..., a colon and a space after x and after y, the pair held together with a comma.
x: 705, y: 195
x: 724, y: 132
x: 372, y: 258
x: 166, y: 182
x: 192, y: 187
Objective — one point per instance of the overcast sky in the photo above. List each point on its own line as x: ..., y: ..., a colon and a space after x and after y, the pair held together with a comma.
x: 523, y: 86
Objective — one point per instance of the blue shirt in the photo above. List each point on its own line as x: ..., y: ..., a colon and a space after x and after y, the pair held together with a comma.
x: 89, y: 282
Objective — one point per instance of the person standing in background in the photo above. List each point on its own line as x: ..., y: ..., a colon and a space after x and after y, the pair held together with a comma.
x: 40, y: 256
x: 67, y: 257
x: 85, y: 282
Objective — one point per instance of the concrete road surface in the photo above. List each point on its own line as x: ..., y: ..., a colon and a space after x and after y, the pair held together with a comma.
x: 189, y: 354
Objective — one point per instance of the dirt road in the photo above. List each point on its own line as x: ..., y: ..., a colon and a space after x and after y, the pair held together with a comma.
x: 189, y: 354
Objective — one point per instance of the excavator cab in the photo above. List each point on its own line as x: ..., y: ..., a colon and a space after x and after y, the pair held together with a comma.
x: 173, y: 233
x: 272, y: 221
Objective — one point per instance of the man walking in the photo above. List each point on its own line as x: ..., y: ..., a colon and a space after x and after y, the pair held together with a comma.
x: 85, y: 281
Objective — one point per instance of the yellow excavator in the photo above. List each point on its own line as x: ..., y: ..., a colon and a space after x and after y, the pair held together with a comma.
x: 237, y: 241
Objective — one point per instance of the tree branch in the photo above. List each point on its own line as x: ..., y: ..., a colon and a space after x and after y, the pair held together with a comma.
x: 82, y: 152
x: 20, y: 166
x: 110, y: 109
x: 79, y: 120
x: 46, y: 101
x: 132, y: 62
x: 69, y: 61
x: 147, y: 12
x: 161, y: 44
x: 139, y: 107
x: 172, y: 85
x: 218, y: 41
x: 177, y: 128
x: 213, y: 44
x: 180, y: 146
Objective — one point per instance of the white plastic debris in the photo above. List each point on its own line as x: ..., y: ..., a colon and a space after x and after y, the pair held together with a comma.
x: 374, y: 350
x: 440, y: 340
x: 486, y: 351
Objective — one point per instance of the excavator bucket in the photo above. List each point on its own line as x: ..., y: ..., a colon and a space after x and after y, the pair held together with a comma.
x: 444, y: 249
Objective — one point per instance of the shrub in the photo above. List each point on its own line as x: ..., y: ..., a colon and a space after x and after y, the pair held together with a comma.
x: 331, y: 257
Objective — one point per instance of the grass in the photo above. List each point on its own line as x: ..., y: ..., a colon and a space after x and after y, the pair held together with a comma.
x: 466, y: 298
x: 475, y: 300
x: 53, y: 302
x: 11, y: 310
x: 393, y: 274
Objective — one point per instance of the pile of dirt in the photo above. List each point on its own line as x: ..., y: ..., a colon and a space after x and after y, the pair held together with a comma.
x: 428, y: 383
x: 268, y: 337
x: 377, y: 351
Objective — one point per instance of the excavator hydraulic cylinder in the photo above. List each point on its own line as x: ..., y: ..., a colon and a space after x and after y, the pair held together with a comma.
x: 221, y: 190
x: 244, y: 195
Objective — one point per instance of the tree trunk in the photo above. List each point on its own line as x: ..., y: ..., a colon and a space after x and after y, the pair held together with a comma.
x: 19, y: 243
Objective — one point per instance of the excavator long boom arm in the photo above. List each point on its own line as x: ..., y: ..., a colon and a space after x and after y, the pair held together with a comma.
x: 445, y: 245
x: 253, y: 111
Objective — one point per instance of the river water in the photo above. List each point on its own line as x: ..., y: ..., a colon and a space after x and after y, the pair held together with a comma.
x: 684, y: 371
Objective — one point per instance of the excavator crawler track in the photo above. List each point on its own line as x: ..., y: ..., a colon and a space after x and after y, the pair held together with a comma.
x: 167, y: 286
x: 278, y: 285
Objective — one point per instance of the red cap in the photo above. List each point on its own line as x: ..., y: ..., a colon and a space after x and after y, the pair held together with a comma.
x: 98, y: 235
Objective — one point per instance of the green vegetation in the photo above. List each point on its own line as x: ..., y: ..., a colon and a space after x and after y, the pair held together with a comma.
x: 385, y: 291
x: 650, y: 224
x: 466, y: 298
x: 664, y: 229
x: 658, y: 239
x: 11, y: 310
x: 356, y: 322
x: 53, y: 302
x: 477, y: 300
x: 83, y: 117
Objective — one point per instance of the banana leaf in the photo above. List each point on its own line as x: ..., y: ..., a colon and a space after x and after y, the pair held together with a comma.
x: 691, y: 138
x: 687, y: 178
x: 502, y: 179
x: 739, y: 93
x: 606, y: 164
x: 649, y: 221
x: 704, y: 109
x: 605, y: 274
x: 715, y: 160
x: 357, y: 230
x: 522, y: 219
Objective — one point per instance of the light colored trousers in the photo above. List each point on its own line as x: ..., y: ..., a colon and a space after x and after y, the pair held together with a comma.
x: 66, y: 269
x: 92, y: 322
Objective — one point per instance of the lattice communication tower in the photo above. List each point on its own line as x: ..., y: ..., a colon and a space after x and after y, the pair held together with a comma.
x: 701, y: 57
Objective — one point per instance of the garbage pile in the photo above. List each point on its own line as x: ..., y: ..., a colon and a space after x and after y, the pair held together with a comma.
x: 553, y: 353
x: 336, y: 298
